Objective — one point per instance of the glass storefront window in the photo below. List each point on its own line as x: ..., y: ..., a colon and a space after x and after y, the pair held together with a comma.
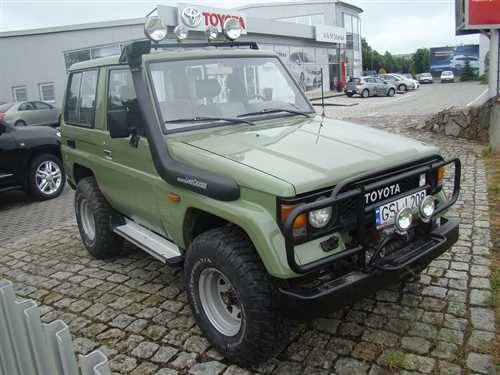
x: 71, y: 58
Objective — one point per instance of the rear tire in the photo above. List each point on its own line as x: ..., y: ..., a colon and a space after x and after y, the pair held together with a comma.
x: 350, y: 94
x: 93, y: 215
x: 391, y: 92
x: 402, y: 88
x: 20, y: 123
x: 365, y: 93
x: 223, y: 260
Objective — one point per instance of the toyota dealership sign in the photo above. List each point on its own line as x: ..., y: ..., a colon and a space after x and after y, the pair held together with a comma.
x: 198, y: 17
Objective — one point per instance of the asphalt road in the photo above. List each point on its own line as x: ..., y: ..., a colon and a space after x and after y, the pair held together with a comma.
x: 426, y: 100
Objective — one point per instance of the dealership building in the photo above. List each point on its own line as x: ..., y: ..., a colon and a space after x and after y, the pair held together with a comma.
x: 308, y: 36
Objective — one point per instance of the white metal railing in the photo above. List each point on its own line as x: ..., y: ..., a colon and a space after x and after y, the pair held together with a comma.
x: 30, y: 347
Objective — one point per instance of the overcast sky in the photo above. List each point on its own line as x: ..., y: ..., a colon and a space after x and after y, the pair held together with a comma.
x: 399, y: 26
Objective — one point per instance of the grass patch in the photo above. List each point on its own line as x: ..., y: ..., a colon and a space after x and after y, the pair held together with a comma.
x: 394, y: 360
x: 495, y: 285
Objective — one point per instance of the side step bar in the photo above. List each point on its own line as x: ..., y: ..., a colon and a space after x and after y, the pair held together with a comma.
x: 157, y: 246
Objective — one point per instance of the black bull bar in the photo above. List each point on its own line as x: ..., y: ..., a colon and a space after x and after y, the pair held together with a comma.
x: 357, y: 191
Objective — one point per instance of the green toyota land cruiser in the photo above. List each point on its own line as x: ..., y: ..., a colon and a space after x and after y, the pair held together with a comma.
x: 209, y: 156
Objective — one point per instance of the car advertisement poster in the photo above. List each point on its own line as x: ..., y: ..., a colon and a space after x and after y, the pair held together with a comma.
x: 454, y: 59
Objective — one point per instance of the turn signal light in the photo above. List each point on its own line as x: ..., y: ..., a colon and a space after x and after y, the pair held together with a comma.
x: 440, y: 175
x: 300, y: 221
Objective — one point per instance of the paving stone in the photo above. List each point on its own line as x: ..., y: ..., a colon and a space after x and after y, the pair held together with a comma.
x: 445, y: 350
x: 480, y: 297
x: 145, y: 349
x: 327, y: 325
x: 145, y: 368
x: 481, y: 341
x: 349, y: 366
x: 123, y: 363
x: 416, y: 344
x: 184, y: 360
x: 447, y: 368
x: 483, y: 319
x: 207, y: 368
x: 166, y: 371
x: 418, y: 363
x: 481, y: 363
x: 196, y: 344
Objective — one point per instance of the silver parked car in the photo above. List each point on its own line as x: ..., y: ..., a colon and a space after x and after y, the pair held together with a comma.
x: 29, y: 113
x: 402, y: 83
x: 369, y: 86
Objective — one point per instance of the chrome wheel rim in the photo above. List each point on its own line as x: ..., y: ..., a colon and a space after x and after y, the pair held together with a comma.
x: 48, y: 177
x: 220, y: 302
x: 87, y: 219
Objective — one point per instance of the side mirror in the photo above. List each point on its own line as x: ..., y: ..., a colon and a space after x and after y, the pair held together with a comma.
x: 118, y: 124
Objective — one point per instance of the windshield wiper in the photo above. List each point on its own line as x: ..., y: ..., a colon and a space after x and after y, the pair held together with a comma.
x: 274, y: 110
x: 208, y: 118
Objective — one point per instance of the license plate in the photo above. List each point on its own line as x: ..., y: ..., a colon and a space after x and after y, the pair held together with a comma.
x: 384, y: 215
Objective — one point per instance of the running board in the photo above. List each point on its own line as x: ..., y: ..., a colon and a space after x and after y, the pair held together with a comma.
x: 155, y: 245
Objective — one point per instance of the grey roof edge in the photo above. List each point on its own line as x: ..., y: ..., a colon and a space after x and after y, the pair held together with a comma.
x: 272, y: 4
x: 77, y: 27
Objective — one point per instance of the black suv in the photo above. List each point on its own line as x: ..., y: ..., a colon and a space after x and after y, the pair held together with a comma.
x: 30, y: 160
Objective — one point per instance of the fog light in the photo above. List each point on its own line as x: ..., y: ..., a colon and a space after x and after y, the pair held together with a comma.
x: 403, y: 220
x: 181, y: 32
x: 212, y: 32
x: 232, y: 28
x: 427, y: 208
x: 155, y: 29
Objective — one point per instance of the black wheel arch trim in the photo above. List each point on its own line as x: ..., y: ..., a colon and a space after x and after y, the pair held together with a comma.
x: 195, y: 179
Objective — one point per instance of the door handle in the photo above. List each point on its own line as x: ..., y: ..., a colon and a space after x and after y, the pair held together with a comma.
x: 108, y: 153
x: 71, y: 143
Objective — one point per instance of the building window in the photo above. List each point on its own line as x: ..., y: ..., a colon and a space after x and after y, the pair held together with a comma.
x: 105, y: 51
x: 71, y: 58
x: 310, y: 19
x: 19, y: 93
x: 47, y: 92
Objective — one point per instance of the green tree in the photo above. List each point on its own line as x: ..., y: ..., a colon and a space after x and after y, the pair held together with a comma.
x: 422, y: 60
x: 390, y: 64
x: 367, y: 54
x: 378, y: 61
x: 468, y: 73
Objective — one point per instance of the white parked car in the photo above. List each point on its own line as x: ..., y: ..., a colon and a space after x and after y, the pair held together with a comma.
x: 447, y: 76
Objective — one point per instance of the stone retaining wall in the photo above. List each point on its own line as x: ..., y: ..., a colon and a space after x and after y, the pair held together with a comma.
x: 471, y: 122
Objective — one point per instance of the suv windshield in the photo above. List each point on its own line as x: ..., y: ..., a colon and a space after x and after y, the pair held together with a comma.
x: 224, y: 88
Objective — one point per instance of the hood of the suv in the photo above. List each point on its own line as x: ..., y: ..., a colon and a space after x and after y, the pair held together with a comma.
x: 307, y: 153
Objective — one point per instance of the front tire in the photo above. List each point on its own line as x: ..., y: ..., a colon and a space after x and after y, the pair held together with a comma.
x: 365, y: 93
x: 93, y: 216
x: 233, y: 297
x: 349, y: 94
x: 402, y: 88
x: 46, y: 177
x: 391, y: 92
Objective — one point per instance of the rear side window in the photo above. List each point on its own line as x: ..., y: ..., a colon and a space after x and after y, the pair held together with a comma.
x: 354, y: 80
x: 80, y: 103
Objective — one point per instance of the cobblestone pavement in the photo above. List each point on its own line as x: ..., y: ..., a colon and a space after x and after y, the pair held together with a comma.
x: 135, y: 309
x: 21, y: 215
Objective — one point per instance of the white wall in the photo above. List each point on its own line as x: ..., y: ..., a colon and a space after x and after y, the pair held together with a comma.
x: 484, y: 47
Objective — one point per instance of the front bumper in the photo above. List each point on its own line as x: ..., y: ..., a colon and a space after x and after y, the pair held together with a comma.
x: 306, y: 303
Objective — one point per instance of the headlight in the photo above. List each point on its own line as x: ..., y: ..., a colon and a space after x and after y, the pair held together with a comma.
x: 58, y: 134
x: 427, y: 208
x: 320, y: 218
x: 403, y: 220
x: 232, y: 28
x: 155, y: 29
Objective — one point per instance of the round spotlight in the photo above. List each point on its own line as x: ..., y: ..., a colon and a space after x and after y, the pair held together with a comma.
x: 181, y: 32
x: 403, y: 220
x: 155, y: 29
x: 232, y: 29
x: 212, y: 32
x: 427, y: 208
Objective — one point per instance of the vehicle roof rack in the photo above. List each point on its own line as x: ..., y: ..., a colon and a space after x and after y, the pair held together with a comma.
x: 134, y: 50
